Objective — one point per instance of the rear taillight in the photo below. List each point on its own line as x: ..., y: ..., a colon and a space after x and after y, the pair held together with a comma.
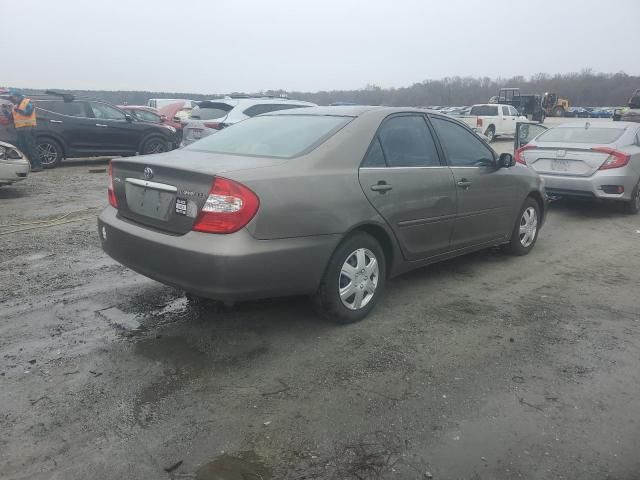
x: 479, y: 122
x: 214, y: 125
x: 616, y: 158
x: 113, y: 201
x: 519, y: 157
x: 229, y: 207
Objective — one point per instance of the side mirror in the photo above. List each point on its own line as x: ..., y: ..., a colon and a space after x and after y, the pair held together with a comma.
x: 128, y: 117
x: 505, y: 160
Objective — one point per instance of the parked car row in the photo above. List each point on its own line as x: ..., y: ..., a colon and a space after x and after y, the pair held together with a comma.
x: 589, y: 112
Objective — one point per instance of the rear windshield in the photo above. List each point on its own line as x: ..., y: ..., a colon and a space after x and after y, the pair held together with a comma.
x: 484, y: 111
x: 210, y: 110
x: 272, y: 136
x: 580, y: 135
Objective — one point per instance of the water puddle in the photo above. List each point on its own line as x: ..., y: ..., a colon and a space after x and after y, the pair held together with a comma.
x: 242, y: 466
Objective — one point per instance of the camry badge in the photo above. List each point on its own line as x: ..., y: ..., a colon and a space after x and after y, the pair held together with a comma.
x: 148, y: 173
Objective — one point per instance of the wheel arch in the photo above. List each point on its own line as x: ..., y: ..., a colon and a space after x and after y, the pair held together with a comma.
x: 384, y: 238
x: 148, y: 136
x: 56, y: 138
x: 540, y: 201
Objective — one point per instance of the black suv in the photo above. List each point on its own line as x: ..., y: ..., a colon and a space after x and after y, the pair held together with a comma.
x: 75, y: 127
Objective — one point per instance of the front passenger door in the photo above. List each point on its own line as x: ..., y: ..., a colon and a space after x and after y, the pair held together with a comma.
x: 112, y: 133
x: 405, y: 180
x: 485, y: 193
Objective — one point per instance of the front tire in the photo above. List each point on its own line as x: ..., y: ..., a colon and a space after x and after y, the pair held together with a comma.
x: 525, y: 231
x: 154, y: 145
x: 353, y: 281
x: 49, y: 151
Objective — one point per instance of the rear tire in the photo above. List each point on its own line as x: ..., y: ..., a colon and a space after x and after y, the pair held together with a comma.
x: 353, y: 281
x: 153, y: 145
x: 558, y: 112
x: 49, y: 151
x: 490, y: 133
x: 633, y: 206
x: 525, y: 231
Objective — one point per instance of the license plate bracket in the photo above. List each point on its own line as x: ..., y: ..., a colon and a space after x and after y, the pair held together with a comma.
x: 558, y: 165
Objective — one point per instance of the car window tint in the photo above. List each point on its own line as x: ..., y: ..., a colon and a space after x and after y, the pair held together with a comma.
x: 484, y: 110
x: 282, y: 136
x: 106, y: 112
x: 374, y: 157
x: 74, y: 109
x: 146, y: 115
x: 211, y: 110
x: 407, y: 142
x: 463, y: 148
x: 505, y: 111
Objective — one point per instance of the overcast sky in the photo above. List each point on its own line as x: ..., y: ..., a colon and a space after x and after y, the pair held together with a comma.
x: 250, y: 45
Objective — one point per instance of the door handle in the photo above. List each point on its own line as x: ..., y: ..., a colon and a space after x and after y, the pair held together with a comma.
x: 55, y: 121
x: 464, y: 184
x: 101, y: 125
x: 381, y: 187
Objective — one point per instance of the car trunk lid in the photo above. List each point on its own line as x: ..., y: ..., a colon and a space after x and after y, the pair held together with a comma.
x: 552, y: 159
x: 166, y: 192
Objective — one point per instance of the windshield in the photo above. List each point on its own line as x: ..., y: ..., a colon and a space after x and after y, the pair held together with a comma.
x: 272, y: 136
x: 580, y: 135
x: 210, y: 111
x: 484, y: 111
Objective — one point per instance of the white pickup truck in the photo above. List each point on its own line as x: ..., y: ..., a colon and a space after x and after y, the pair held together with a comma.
x: 493, y: 119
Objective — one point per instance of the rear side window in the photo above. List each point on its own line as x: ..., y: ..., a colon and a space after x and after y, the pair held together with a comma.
x: 484, y: 111
x: 103, y: 111
x: 580, y: 135
x: 374, y: 157
x: 407, y: 142
x: 73, y: 109
x: 513, y: 111
x: 282, y: 136
x: 210, y: 110
x: 463, y: 148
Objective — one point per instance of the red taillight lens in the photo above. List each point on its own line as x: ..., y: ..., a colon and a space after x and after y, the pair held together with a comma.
x: 616, y: 158
x: 113, y: 201
x: 519, y: 157
x: 229, y: 207
x: 214, y: 125
x: 478, y: 122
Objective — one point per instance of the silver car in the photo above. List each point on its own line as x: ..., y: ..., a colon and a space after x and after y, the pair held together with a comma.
x: 324, y: 201
x: 14, y: 166
x: 590, y: 160
x: 210, y: 116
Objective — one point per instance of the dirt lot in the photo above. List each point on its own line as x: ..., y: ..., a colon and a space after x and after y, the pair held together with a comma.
x: 484, y: 367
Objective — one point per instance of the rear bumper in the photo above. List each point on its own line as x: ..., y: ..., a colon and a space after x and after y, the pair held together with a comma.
x: 591, y: 187
x: 223, y: 267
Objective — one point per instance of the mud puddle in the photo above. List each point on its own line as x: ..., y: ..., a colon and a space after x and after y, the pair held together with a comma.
x: 243, y: 466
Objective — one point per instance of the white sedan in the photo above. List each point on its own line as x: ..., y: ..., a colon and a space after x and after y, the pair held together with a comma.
x: 13, y: 164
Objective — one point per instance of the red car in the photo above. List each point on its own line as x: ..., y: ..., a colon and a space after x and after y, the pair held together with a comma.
x: 176, y: 113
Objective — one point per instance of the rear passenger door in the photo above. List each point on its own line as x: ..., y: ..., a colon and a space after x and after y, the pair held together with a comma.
x: 404, y: 178
x: 66, y: 121
x: 486, y: 194
x: 112, y: 133
x: 508, y: 121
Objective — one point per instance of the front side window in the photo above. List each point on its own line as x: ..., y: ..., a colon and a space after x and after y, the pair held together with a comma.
x: 513, y: 111
x: 146, y: 116
x: 407, y: 142
x: 282, y: 136
x: 463, y: 148
x: 505, y: 111
x: 105, y: 112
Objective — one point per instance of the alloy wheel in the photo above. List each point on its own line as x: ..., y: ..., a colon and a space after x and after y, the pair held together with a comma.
x: 528, y: 226
x: 155, y: 147
x: 358, y: 279
x: 48, y: 153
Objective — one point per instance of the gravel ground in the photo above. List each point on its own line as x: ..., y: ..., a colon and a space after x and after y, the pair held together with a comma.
x: 483, y: 367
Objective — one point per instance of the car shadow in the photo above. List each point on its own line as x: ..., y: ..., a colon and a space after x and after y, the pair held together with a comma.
x: 10, y: 192
x: 587, y: 208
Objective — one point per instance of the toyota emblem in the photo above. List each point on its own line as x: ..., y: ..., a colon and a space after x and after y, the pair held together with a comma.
x: 148, y: 173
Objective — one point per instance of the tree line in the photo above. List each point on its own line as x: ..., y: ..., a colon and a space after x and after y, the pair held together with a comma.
x: 585, y: 88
